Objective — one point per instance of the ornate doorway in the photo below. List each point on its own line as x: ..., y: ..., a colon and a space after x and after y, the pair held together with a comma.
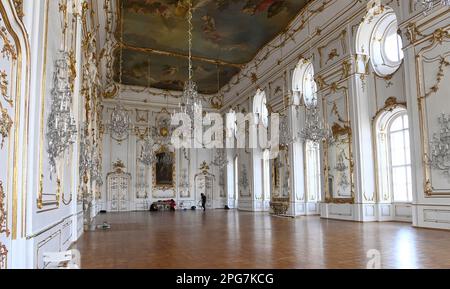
x: 118, y: 183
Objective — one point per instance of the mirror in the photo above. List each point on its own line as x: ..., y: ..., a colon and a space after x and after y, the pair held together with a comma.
x: 280, y: 198
x: 339, y: 166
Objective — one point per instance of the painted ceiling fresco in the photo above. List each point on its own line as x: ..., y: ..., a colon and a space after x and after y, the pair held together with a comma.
x: 231, y: 31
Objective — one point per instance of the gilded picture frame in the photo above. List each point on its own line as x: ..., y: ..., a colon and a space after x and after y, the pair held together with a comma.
x: 163, y: 175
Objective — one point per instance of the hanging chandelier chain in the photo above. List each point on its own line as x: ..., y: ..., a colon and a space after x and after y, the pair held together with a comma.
x: 121, y: 48
x: 190, y: 39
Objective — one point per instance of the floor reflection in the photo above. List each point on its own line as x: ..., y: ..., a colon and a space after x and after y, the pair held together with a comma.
x: 230, y: 239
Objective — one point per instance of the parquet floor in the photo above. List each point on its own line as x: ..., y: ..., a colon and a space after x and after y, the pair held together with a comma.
x: 230, y: 239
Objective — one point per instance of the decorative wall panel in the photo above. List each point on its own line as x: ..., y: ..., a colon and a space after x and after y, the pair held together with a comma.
x: 118, y: 188
x: 13, y: 56
x: 52, y: 187
x: 433, y: 63
x: 338, y: 156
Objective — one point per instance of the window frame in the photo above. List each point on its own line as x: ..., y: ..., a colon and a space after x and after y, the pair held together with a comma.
x: 316, y: 174
x: 371, y: 40
x: 383, y: 152
x: 303, y: 69
x: 399, y: 115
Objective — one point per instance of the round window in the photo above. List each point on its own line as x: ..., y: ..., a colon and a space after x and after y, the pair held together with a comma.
x: 393, y: 46
x: 378, y: 39
x: 386, y: 48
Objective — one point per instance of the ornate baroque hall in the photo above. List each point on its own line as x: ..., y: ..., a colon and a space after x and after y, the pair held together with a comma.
x: 224, y: 134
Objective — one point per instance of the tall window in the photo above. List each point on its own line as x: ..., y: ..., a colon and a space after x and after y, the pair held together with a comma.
x: 260, y: 108
x: 266, y: 174
x: 394, y: 156
x: 305, y: 87
x: 236, y: 178
x: 400, y: 158
x: 313, y: 171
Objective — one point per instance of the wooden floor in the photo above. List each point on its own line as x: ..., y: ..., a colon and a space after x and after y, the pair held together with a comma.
x: 229, y: 239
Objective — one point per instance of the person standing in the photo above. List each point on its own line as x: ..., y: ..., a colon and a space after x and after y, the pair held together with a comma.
x: 203, y: 202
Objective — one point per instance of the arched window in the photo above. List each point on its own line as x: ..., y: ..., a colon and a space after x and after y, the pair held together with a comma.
x: 266, y: 174
x: 313, y: 186
x: 378, y: 38
x: 236, y: 178
x: 260, y: 108
x: 231, y: 124
x: 303, y: 83
x: 394, y: 156
x: 305, y: 87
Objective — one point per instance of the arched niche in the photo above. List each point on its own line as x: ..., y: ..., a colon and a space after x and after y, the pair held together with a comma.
x: 260, y: 108
x: 303, y: 84
x: 378, y: 42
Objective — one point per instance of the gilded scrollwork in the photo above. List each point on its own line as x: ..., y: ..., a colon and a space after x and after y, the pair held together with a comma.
x: 8, y: 50
x: 3, y: 256
x: 5, y: 124
x: 3, y: 212
x: 443, y: 63
x: 18, y: 4
x: 4, y: 87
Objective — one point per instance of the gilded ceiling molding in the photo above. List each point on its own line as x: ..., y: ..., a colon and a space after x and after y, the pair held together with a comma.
x: 181, y: 55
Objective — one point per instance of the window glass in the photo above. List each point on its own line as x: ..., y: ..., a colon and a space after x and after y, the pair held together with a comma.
x: 400, y: 158
x: 313, y: 171
x: 393, y: 47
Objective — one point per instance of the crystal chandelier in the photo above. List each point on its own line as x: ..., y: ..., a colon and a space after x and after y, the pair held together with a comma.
x: 191, y: 104
x: 85, y: 157
x: 285, y: 131
x: 96, y: 169
x: 440, y: 146
x: 61, y: 126
x: 220, y: 159
x: 142, y: 184
x: 220, y: 156
x: 428, y: 5
x: 315, y: 129
x: 147, y: 156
